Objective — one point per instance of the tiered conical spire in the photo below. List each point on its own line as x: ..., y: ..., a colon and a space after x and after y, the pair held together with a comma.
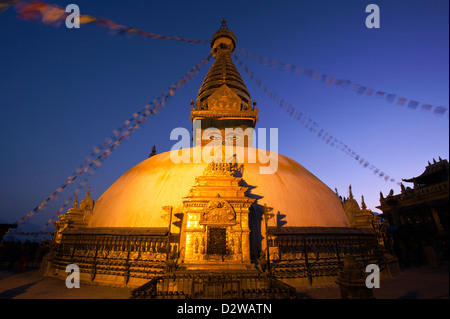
x: 223, y: 72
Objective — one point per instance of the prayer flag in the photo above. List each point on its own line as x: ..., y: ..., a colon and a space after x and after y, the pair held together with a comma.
x: 316, y: 76
x: 361, y: 89
x: 308, y: 73
x: 401, y: 101
x: 413, y: 104
x: 426, y: 107
x: 390, y: 98
x: 439, y: 110
x: 379, y: 94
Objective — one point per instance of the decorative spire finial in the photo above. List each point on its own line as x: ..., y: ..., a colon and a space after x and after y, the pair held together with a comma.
x: 153, y: 153
x: 224, y: 25
x: 363, y: 204
x: 350, y: 194
x: 223, y: 32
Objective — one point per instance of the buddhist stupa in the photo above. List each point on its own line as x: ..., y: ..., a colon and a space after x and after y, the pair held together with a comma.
x: 220, y: 216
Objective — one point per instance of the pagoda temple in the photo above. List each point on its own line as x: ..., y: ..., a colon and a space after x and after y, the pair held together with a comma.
x: 418, y: 217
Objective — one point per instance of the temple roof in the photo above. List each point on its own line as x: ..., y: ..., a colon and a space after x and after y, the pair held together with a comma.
x: 434, y: 173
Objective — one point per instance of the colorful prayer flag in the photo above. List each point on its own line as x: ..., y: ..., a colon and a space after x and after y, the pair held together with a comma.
x: 439, y: 110
x: 401, y: 101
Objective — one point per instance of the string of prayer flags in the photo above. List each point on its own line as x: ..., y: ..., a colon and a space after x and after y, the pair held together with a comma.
x: 357, y: 88
x: 5, y: 4
x: 313, y: 127
x: 103, y: 150
x: 54, y: 15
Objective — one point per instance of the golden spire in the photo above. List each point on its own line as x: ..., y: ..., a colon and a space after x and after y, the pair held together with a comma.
x: 223, y: 92
x: 153, y: 153
x: 87, y: 202
x: 363, y: 204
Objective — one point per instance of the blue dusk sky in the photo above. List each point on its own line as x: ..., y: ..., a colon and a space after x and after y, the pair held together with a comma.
x: 64, y: 91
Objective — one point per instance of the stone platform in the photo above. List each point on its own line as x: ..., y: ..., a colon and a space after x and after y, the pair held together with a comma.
x: 412, y: 283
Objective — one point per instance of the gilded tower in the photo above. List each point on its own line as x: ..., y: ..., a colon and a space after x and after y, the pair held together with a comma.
x: 217, y: 233
x: 223, y: 99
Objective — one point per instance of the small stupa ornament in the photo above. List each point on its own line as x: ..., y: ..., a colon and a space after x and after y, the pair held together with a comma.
x: 153, y: 153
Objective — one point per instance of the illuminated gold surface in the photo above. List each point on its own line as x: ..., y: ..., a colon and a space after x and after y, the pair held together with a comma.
x: 217, y: 203
x: 136, y: 199
x: 76, y: 217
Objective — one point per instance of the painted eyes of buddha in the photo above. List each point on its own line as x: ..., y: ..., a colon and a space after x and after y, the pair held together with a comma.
x: 230, y: 137
x: 215, y: 137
